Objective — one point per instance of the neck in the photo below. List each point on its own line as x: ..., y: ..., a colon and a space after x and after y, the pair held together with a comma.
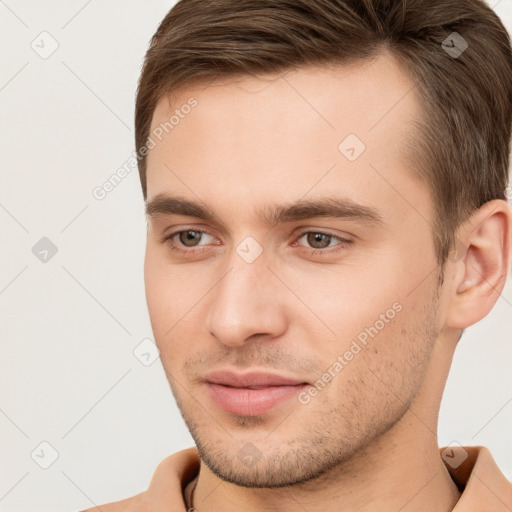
x: 399, y: 470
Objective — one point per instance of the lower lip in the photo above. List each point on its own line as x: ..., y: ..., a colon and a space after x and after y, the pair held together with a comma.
x: 251, y: 402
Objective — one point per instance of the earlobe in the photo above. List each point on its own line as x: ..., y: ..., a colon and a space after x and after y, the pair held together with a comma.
x: 481, y: 269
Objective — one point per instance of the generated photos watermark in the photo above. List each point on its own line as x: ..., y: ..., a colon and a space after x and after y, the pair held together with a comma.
x: 130, y: 164
x: 356, y: 346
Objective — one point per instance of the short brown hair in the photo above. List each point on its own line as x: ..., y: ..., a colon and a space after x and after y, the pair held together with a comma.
x: 462, y: 146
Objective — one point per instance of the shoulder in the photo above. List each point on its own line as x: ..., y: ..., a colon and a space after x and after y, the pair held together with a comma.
x: 165, y: 488
x: 138, y: 503
x: 485, y: 486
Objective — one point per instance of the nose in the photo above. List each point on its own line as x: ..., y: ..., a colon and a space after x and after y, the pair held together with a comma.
x: 246, y: 304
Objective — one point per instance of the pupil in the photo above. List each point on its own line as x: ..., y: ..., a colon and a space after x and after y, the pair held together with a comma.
x: 315, y: 240
x: 190, y: 236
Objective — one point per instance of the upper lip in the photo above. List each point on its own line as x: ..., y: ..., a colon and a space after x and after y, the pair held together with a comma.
x: 241, y: 380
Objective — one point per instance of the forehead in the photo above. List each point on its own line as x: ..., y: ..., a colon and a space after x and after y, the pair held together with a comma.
x: 341, y: 126
x: 360, y: 96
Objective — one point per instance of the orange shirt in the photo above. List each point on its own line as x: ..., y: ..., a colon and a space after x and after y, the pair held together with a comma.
x: 485, y: 489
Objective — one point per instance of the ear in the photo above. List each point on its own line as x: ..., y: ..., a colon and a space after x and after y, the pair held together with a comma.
x: 481, y: 264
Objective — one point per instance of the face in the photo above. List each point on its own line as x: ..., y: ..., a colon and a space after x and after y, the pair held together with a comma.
x: 290, y: 271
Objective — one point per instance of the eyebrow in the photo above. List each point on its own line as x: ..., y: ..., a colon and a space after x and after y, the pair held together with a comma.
x: 332, y: 207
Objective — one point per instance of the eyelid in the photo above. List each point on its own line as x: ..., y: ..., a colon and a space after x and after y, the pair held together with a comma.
x: 325, y: 231
x: 304, y: 231
x: 342, y: 241
x: 329, y: 250
x: 172, y: 234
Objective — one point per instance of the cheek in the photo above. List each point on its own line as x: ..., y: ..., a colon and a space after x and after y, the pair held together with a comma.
x: 165, y: 295
x: 156, y: 286
x: 170, y: 289
x: 382, y: 335
x: 380, y: 375
x: 344, y: 303
x: 173, y: 296
x: 396, y: 354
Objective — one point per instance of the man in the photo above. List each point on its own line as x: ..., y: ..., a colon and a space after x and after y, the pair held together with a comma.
x: 325, y: 190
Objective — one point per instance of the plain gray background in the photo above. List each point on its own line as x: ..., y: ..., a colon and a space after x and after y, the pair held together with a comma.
x: 70, y: 324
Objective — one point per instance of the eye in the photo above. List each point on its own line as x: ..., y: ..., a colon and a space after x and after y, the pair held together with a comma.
x: 318, y: 241
x: 188, y: 238
x: 188, y: 241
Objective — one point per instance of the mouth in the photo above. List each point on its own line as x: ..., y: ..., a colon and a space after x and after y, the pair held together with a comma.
x: 251, y: 394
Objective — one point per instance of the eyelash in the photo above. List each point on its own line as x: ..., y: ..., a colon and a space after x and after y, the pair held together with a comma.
x: 311, y: 251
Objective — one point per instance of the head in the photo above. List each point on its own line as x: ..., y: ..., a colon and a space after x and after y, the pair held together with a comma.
x: 325, y: 183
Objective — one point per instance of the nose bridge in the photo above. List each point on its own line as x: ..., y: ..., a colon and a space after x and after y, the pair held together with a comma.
x: 244, y: 302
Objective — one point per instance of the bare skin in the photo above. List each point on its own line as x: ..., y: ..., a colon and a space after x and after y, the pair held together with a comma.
x: 367, y: 440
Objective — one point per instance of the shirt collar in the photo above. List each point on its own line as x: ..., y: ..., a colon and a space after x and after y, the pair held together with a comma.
x: 483, y: 486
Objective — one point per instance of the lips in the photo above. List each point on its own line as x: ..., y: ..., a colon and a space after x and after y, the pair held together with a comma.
x: 252, y: 379
x: 250, y: 394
